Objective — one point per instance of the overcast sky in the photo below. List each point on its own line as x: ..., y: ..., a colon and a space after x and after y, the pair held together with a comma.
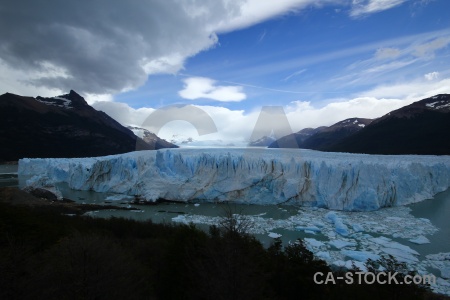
x: 323, y: 61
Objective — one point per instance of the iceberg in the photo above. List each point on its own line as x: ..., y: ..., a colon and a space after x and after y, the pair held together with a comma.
x: 339, y: 244
x: 420, y: 240
x: 313, y: 243
x: 274, y: 235
x: 361, y: 256
x: 338, y: 181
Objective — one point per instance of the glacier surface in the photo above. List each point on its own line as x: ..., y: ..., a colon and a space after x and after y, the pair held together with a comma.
x: 338, y: 181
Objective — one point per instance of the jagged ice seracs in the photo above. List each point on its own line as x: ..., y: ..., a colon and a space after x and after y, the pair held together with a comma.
x: 339, y: 181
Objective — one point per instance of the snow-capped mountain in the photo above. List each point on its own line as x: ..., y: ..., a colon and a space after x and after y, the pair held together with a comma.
x: 262, y: 142
x: 150, y: 138
x: 322, y: 137
x: 419, y: 128
x: 63, y: 126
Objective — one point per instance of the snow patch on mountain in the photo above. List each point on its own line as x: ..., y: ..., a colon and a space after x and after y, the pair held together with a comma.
x: 56, y: 101
x: 439, y: 104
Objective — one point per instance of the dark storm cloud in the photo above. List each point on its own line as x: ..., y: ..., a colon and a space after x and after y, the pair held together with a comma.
x: 104, y: 46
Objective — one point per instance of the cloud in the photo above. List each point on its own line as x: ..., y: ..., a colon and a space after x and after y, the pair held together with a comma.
x: 110, y: 46
x: 254, y: 11
x: 365, y: 7
x: 238, y: 125
x: 262, y: 36
x: 428, y: 49
x: 397, y: 59
x: 415, y: 89
x: 201, y: 87
x: 431, y: 76
x: 302, y: 114
x: 294, y: 74
x: 387, y: 53
x: 123, y: 113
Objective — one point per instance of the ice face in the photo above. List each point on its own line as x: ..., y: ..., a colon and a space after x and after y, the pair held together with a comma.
x: 339, y: 181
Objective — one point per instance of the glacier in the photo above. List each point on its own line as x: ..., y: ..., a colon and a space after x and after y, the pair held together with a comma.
x: 338, y: 181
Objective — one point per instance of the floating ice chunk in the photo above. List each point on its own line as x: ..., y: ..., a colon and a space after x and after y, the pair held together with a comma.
x: 179, y: 218
x: 382, y: 240
x: 314, y: 243
x: 439, y: 256
x: 357, y: 227
x: 274, y: 235
x: 118, y: 197
x: 349, y: 264
x: 440, y: 281
x: 339, y: 263
x: 331, y: 217
x: 341, y: 244
x: 420, y: 240
x: 309, y: 228
x: 394, y: 218
x: 400, y: 255
x: 386, y: 242
x: 341, y: 228
x: 445, y: 272
x: 401, y: 247
x: 325, y: 255
x: 425, y: 220
x: 310, y: 232
x: 90, y: 213
x: 196, y: 204
x: 360, y: 255
x: 318, y: 224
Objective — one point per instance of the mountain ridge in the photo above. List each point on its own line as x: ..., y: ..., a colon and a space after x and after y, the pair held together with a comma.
x: 417, y: 128
x: 61, y: 126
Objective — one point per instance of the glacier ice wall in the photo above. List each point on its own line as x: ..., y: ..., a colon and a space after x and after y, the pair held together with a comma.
x: 337, y: 181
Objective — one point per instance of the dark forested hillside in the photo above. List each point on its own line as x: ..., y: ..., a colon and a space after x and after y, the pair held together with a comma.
x: 63, y: 126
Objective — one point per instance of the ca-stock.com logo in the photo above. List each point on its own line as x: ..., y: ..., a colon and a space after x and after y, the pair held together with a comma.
x: 272, y: 121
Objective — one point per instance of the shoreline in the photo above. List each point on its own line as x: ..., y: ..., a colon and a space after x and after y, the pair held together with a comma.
x: 15, y: 196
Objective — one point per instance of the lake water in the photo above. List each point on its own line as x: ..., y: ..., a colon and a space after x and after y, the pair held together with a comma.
x: 437, y: 210
x: 386, y: 228
x: 8, y: 175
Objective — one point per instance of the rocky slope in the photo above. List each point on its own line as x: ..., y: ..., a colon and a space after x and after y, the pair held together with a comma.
x: 63, y: 126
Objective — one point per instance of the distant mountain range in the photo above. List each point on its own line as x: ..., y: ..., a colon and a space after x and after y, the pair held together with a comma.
x: 422, y: 127
x: 262, y: 142
x: 63, y: 126
x: 323, y: 137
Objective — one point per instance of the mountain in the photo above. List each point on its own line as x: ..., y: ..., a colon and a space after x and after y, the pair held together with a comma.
x: 63, y: 126
x: 323, y: 137
x: 262, y: 142
x: 150, y: 138
x: 419, y: 128
x: 422, y: 127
